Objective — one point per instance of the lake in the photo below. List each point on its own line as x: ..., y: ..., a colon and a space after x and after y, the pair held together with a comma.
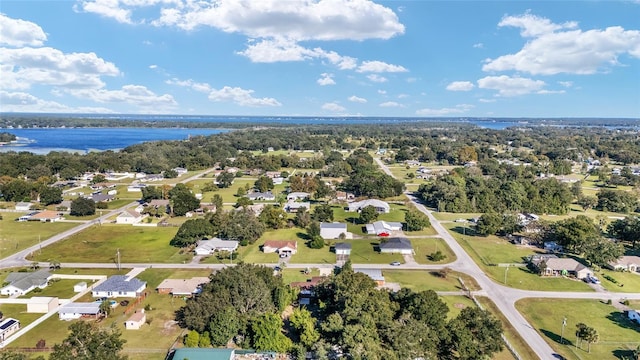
x: 82, y: 140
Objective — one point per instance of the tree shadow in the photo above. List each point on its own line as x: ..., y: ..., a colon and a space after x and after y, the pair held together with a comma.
x: 623, y: 354
x: 621, y: 320
x: 463, y: 230
x: 556, y: 337
x: 303, y: 236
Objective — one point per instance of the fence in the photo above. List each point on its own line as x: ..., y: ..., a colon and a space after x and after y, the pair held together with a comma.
x: 135, y: 303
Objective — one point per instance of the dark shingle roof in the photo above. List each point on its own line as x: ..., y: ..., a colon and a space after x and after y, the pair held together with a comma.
x: 120, y: 283
x: 397, y: 243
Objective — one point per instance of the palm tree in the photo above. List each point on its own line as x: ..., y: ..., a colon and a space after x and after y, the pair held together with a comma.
x: 580, y: 334
x: 54, y: 265
x: 105, y: 308
x: 591, y: 337
x: 636, y: 353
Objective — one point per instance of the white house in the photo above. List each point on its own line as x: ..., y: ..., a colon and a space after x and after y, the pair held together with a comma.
x: 208, y: 247
x: 342, y: 248
x: 381, y: 207
x: 136, y: 187
x: 21, y: 283
x: 298, y: 195
x: 293, y: 206
x: 282, y: 248
x: 626, y: 263
x: 119, y: 286
x: 23, y: 206
x: 182, y: 287
x: 136, y: 320
x: 129, y: 217
x: 80, y: 287
x: 396, y: 246
x: 333, y: 230
x: 77, y: 310
x: 383, y: 227
x: 46, y: 216
x: 42, y: 304
x: 7, y: 327
x: 267, y: 196
x: 180, y: 170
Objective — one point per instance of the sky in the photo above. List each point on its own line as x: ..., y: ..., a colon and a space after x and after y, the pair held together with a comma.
x: 419, y: 58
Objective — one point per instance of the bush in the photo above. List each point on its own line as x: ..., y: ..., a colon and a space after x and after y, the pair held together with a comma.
x: 610, y: 278
x: 437, y: 256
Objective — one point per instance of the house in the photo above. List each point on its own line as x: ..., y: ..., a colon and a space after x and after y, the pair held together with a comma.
x: 129, y: 217
x: 208, y: 247
x: 306, y: 287
x: 182, y: 287
x: 203, y: 354
x: 293, y: 207
x: 23, y: 206
x: 77, y: 310
x: 267, y: 196
x: 272, y: 174
x: 102, y: 185
x: 332, y: 230
x: 344, y: 196
x: 412, y: 163
x: 277, y: 180
x: 551, y: 265
x: 282, y: 248
x: 381, y: 207
x: 396, y: 246
x: 42, y: 304
x: 119, y: 286
x: 21, y: 283
x: 46, y: 216
x: 136, y: 320
x: 634, y: 315
x: 136, y: 187
x: 342, y: 248
x: 626, y: 263
x: 102, y: 197
x: 374, y: 274
x: 80, y: 287
x: 180, y: 170
x: 298, y: 195
x: 383, y: 227
x: 161, y: 204
x: 7, y: 327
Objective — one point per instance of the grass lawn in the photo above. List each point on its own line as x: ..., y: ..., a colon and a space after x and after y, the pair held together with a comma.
x: 491, y: 250
x: 19, y: 312
x: 61, y: 288
x: 630, y: 281
x: 521, y: 346
x: 447, y: 216
x: 76, y: 271
x: 19, y: 235
x: 100, y: 243
x: 365, y: 252
x: 297, y: 275
x: 426, y: 246
x: 420, y: 280
x: 618, y: 335
x: 456, y: 303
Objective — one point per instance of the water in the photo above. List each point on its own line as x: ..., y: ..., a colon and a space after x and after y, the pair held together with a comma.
x: 82, y: 140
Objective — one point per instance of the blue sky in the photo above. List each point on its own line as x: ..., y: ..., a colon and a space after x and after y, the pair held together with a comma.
x: 322, y: 57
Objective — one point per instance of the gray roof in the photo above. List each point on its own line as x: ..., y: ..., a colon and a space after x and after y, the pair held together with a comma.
x: 26, y: 280
x: 120, y: 283
x: 335, y: 225
x: 374, y: 274
x: 397, y: 243
x: 383, y: 226
x: 342, y: 246
x: 102, y: 197
x: 215, y: 243
x: 89, y: 308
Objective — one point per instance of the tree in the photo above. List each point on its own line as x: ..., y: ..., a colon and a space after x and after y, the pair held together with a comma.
x: 225, y: 179
x: 573, y: 232
x: 273, y: 217
x: 191, y: 231
x: 489, y: 224
x: 264, y: 184
x: 99, y: 178
x: 50, y: 195
x: 243, y: 202
x: 416, y: 220
x: 241, y: 225
x: 591, y: 337
x: 587, y: 202
x: 151, y: 193
x: 266, y: 334
x: 323, y: 213
x: 368, y: 214
x: 474, y: 334
x: 305, y: 326
x: 316, y: 242
x: 216, y: 200
x: 313, y: 230
x: 183, y: 200
x: 105, y: 308
x: 303, y: 218
x: 191, y: 339
x: 601, y: 251
x: 170, y: 174
x: 88, y: 341
x: 223, y: 325
x: 616, y: 201
x: 627, y: 229
x: 82, y: 207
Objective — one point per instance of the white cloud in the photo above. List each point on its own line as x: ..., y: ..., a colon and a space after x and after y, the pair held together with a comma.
x: 201, y: 87
x: 390, y: 104
x: 382, y: 92
x: 511, y: 86
x: 377, y: 78
x: 403, y: 96
x: 545, y: 92
x: 478, y: 45
x: 332, y: 106
x: 279, y: 50
x: 24, y: 67
x: 412, y: 80
x: 18, y: 32
x: 379, y: 67
x: 24, y: 102
x: 357, y: 99
x: 136, y: 95
x: 326, y: 79
x: 487, y: 100
x: 153, y: 66
x: 459, y: 109
x: 566, y: 84
x: 460, y: 86
x: 563, y: 48
x: 242, y: 97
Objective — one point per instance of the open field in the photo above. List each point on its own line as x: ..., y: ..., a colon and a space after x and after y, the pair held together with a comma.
x: 424, y: 247
x: 618, y: 335
x: 19, y: 235
x: 100, y: 243
x: 630, y: 281
x: 420, y: 280
x: 490, y: 251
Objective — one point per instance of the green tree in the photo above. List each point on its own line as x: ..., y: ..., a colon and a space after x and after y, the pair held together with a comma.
x: 313, y: 230
x: 216, y: 200
x: 225, y: 179
x: 205, y: 340
x: 305, y: 325
x: 273, y: 217
x: 99, y: 178
x: 601, y: 251
x: 88, y: 341
x: 50, y: 195
x: 151, y: 193
x: 489, y: 224
x: 572, y: 233
x: 303, y: 218
x: 170, y: 174
x: 316, y: 242
x: 266, y: 334
x: 241, y: 192
x: 368, y: 214
x: 241, y: 225
x: 264, y: 184
x: 191, y: 339
x: 191, y: 231
x: 223, y: 325
x: 323, y: 213
x: 627, y: 229
x: 183, y: 200
x: 474, y: 334
x: 416, y: 220
x: 82, y: 207
x: 587, y: 202
x: 243, y: 202
x: 105, y: 308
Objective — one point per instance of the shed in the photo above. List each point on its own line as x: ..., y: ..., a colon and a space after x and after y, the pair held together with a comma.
x: 343, y: 248
x: 136, y: 320
x: 80, y: 287
x: 7, y: 327
x: 332, y: 230
x: 203, y: 354
x: 42, y: 304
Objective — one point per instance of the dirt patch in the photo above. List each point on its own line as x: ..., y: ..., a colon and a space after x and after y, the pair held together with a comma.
x: 459, y: 306
x: 169, y: 327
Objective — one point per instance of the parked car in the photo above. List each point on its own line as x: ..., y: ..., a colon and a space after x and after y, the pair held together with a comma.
x: 395, y: 263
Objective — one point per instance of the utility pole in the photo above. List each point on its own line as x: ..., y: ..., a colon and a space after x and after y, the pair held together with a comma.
x: 118, y: 258
x: 564, y: 323
x: 506, y: 270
